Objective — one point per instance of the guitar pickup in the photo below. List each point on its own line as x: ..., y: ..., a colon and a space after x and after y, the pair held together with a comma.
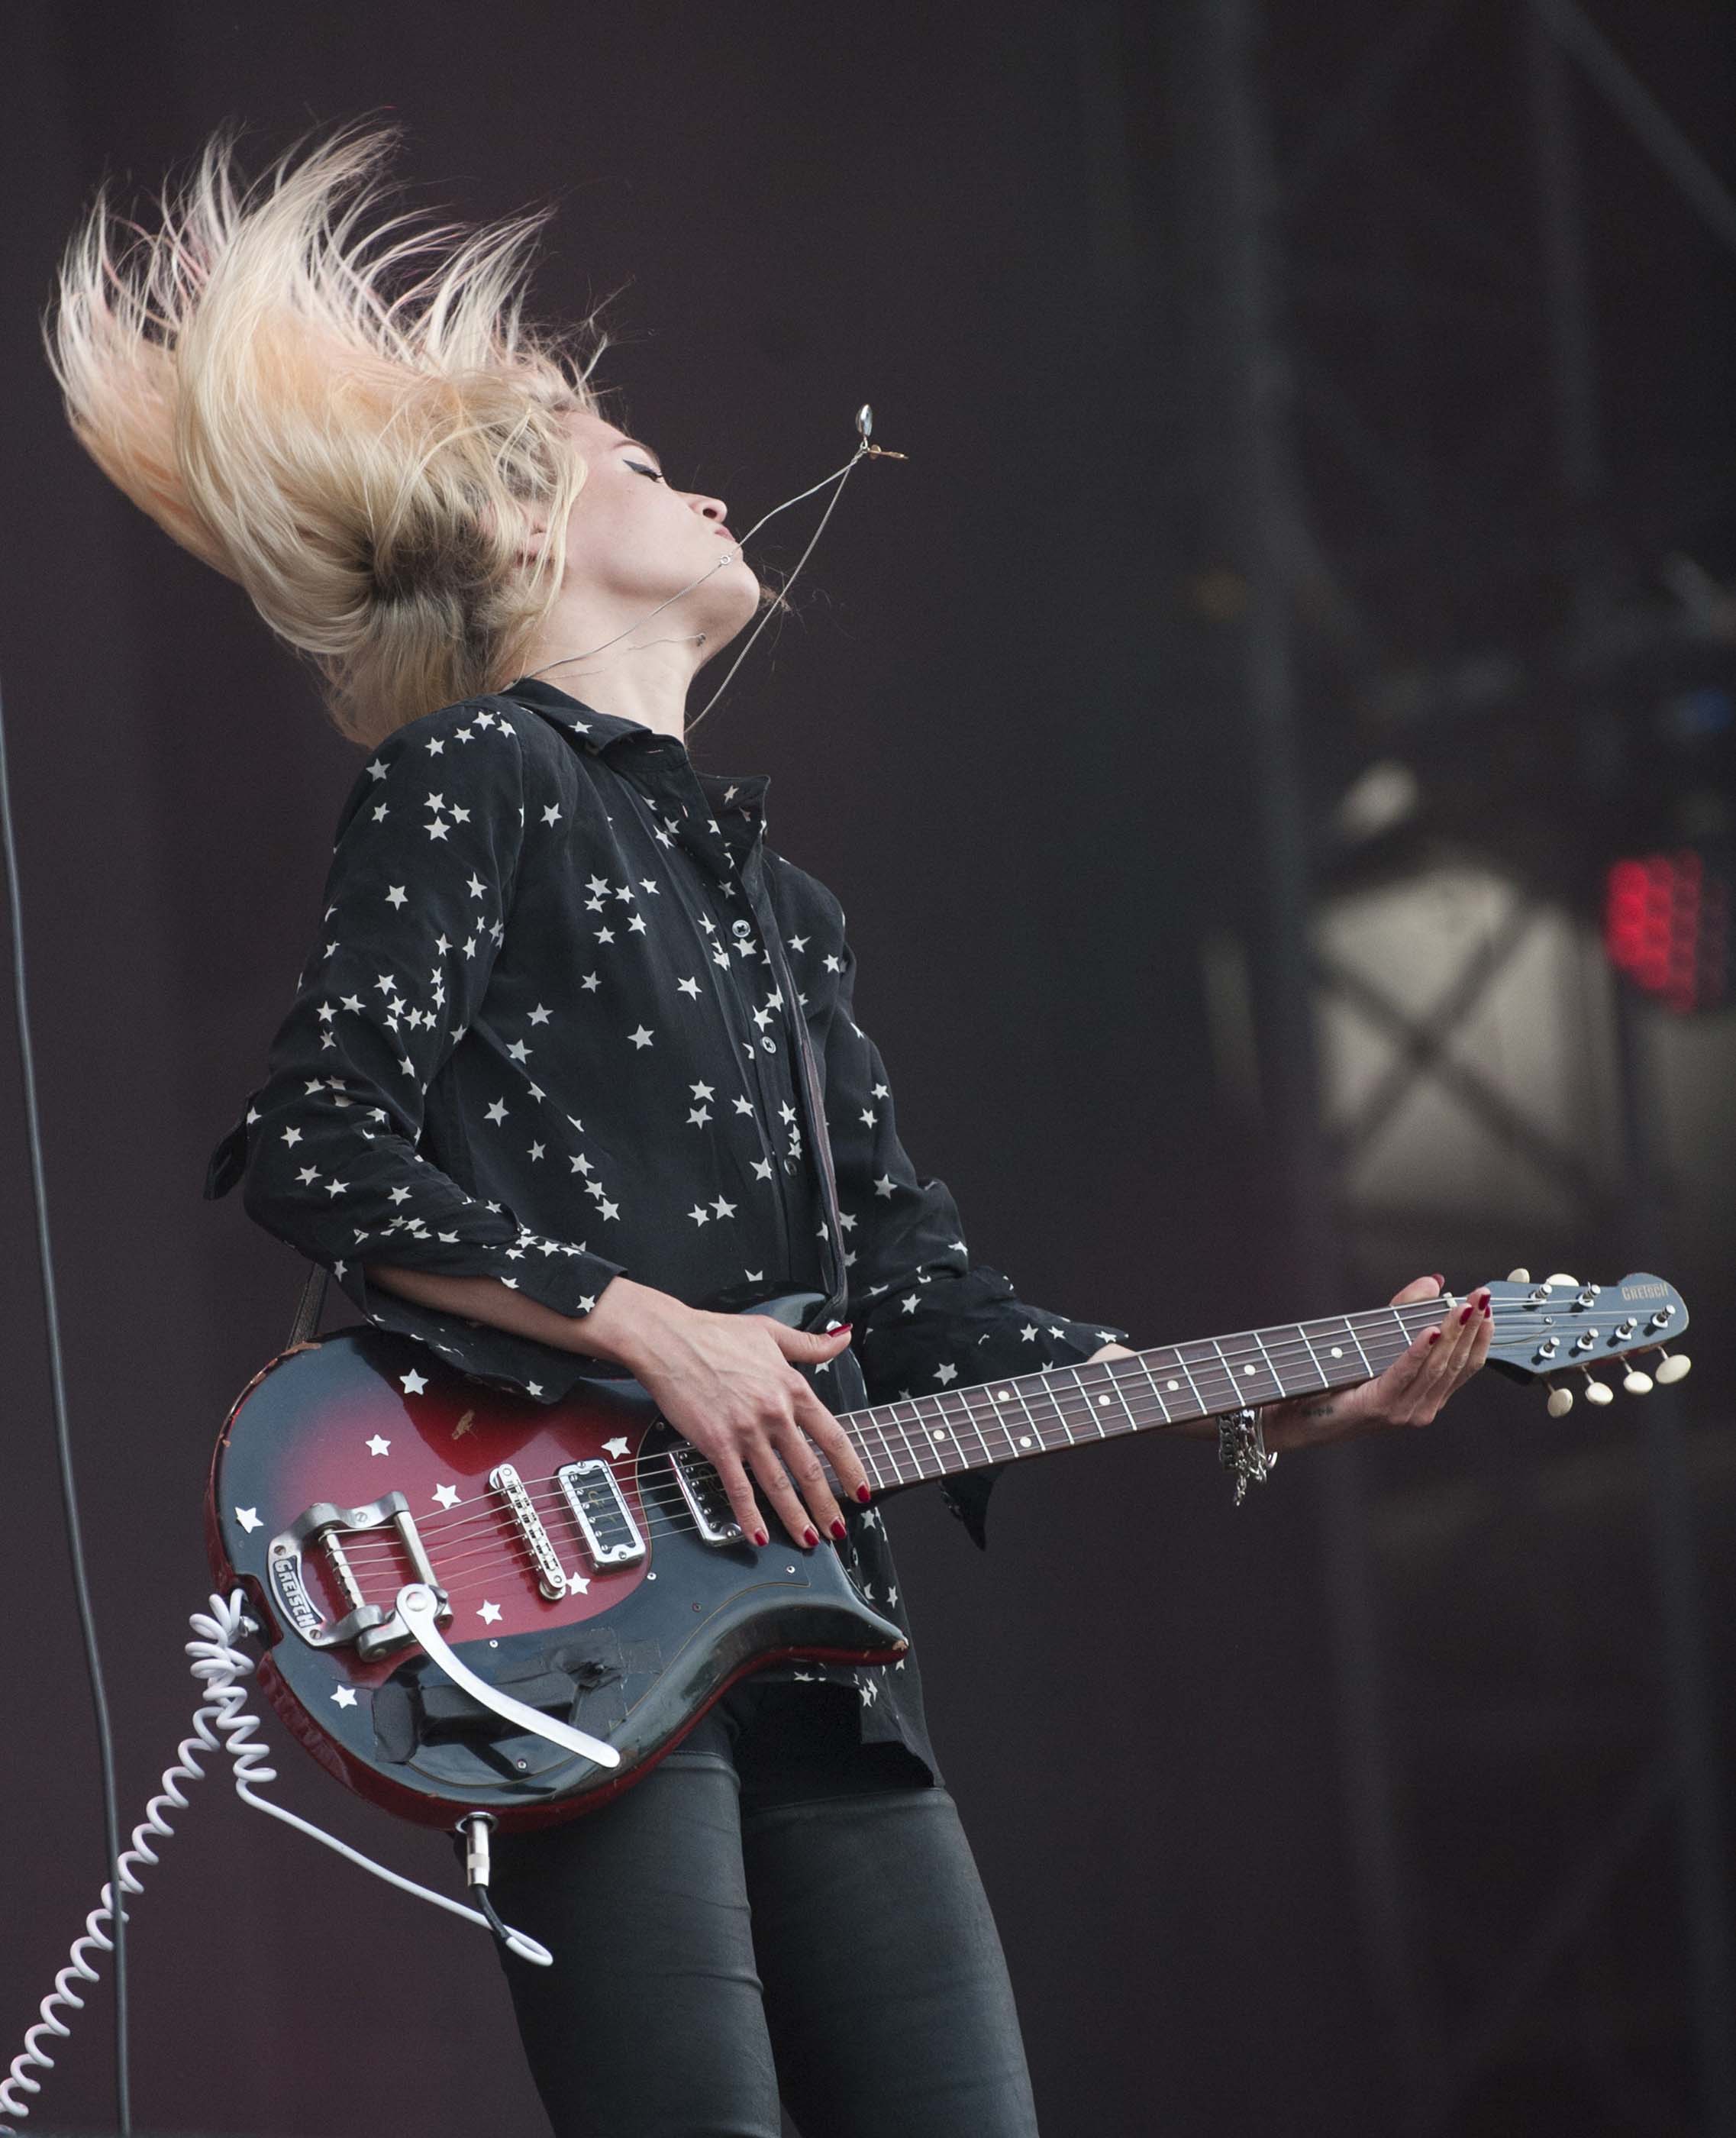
x: 707, y: 1501
x: 605, y: 1521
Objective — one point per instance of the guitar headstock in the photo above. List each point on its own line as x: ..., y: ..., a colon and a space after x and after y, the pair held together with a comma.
x: 1560, y: 1331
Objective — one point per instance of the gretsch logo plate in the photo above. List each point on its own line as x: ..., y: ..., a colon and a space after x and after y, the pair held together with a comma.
x: 286, y: 1580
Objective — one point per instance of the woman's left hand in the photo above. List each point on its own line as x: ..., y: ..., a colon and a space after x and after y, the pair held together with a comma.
x: 1410, y: 1392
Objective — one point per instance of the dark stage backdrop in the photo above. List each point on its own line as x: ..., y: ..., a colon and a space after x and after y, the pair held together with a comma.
x: 802, y: 208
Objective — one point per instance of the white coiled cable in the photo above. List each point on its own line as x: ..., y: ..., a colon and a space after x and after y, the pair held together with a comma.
x: 221, y: 1723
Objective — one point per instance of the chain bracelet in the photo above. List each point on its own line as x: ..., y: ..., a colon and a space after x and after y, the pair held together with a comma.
x: 1241, y: 1449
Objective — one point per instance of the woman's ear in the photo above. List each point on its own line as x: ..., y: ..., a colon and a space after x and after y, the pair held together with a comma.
x: 529, y: 530
x: 533, y: 535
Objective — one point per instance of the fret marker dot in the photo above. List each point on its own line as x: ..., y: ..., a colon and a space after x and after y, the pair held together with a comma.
x: 940, y: 1432
x: 1247, y: 1370
x: 1337, y: 1351
x: 1175, y: 1384
x: 1004, y: 1395
x: 1103, y: 1399
x: 1024, y: 1440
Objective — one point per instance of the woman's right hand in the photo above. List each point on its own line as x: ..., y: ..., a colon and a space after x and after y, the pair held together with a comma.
x: 728, y: 1383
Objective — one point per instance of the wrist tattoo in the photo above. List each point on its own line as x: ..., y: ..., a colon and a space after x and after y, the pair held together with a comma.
x: 1329, y: 1409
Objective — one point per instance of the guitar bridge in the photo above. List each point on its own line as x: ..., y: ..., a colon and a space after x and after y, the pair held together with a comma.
x: 707, y: 1501
x: 375, y: 1629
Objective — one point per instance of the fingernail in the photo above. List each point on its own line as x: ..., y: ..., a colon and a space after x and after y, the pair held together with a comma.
x: 1434, y: 1335
x: 1439, y: 1279
x: 839, y: 1531
x: 809, y: 1536
x: 863, y: 1494
x: 761, y: 1538
x: 1487, y: 1315
x: 1466, y: 1312
x: 843, y: 1329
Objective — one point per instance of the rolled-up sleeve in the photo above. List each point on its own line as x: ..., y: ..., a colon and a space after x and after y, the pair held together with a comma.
x: 926, y: 1316
x: 415, y: 908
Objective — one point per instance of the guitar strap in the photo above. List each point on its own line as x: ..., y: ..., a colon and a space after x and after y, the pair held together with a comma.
x: 311, y: 1304
x: 813, y: 1092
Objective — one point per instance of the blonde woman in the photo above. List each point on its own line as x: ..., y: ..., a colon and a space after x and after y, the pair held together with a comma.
x: 536, y: 1102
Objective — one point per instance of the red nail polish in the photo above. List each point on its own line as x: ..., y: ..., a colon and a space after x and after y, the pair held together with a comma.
x: 1434, y: 1335
x: 1487, y: 1315
x: 839, y: 1531
x: 863, y: 1494
x: 1465, y: 1313
x: 809, y: 1536
x: 761, y: 1538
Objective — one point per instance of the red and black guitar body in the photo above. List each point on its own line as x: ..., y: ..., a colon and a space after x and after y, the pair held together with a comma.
x: 623, y: 1602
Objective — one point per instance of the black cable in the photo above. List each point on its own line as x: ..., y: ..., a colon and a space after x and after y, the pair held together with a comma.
x: 63, y: 1444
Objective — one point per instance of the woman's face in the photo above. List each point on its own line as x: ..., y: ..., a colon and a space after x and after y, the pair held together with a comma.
x: 632, y: 541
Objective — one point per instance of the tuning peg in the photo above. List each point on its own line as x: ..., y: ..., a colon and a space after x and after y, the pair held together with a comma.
x: 1561, y: 1402
x: 1519, y: 1276
x: 1636, y: 1383
x: 1558, y: 1278
x: 1598, y: 1391
x: 1672, y: 1367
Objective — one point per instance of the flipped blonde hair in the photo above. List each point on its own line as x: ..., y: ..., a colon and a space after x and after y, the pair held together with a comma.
x: 357, y: 427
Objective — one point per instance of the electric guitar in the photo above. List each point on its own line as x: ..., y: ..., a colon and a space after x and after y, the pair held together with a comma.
x: 474, y: 1602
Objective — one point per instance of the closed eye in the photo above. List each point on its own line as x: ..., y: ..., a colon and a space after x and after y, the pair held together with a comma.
x: 640, y: 468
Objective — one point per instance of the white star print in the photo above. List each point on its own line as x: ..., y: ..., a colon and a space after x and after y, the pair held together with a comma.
x: 411, y: 1383
x: 378, y: 1445
x: 345, y: 1696
x: 643, y: 1037
x: 248, y: 1517
x: 489, y: 1614
x: 447, y: 1494
x: 617, y: 1447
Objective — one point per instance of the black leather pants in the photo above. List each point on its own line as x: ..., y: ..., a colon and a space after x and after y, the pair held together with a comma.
x: 774, y: 1908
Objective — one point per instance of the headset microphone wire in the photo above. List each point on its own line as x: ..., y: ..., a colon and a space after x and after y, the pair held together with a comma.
x: 63, y: 1445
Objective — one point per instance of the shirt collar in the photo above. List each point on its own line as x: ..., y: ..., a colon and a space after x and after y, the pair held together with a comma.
x: 742, y: 794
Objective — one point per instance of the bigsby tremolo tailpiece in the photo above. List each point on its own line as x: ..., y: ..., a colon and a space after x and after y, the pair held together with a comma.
x: 1242, y: 1450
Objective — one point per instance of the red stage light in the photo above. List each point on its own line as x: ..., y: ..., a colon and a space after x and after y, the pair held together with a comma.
x: 1666, y: 926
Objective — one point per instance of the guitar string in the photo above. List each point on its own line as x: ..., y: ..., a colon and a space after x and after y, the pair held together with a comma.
x: 445, y: 1534
x: 1072, y: 1403
x: 978, y: 1412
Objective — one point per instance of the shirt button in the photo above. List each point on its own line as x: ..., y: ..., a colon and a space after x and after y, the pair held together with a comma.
x: 789, y: 1165
x: 769, y: 1045
x: 744, y: 927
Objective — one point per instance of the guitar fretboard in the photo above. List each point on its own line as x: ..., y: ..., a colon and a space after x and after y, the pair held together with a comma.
x: 999, y: 1421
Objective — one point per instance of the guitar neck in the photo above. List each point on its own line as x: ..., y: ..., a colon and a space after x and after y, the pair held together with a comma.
x: 964, y: 1428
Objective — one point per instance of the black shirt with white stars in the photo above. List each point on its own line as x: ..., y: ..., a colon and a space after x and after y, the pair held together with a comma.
x: 539, y: 1040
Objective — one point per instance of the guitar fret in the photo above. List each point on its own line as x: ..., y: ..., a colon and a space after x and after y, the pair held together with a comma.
x: 1277, y: 1379
x: 965, y: 1398
x: 872, y: 1457
x: 1308, y: 1346
x: 915, y: 1452
x: 1152, y: 1382
x: 1011, y: 1437
x: 1060, y: 1413
x: 890, y: 1452
x: 1199, y: 1406
x: 1120, y: 1393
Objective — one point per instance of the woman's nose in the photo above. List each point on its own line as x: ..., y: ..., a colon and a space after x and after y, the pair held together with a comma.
x: 710, y: 508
